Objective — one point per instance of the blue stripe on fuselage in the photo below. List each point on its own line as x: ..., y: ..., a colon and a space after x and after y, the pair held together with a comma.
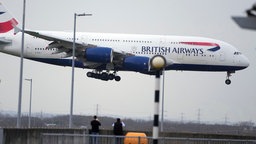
x: 196, y: 67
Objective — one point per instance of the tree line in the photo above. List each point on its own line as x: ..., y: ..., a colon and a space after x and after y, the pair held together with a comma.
x: 82, y: 121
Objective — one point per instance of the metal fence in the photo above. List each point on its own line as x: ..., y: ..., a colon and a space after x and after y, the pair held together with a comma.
x: 49, y: 138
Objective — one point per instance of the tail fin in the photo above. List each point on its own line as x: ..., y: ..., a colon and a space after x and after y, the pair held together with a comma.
x: 7, y: 22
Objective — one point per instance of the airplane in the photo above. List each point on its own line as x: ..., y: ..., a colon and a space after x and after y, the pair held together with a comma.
x: 108, y: 53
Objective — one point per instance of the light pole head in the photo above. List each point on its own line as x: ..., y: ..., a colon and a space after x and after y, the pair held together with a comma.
x: 83, y: 14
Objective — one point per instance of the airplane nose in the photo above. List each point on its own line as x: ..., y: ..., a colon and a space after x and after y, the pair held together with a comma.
x: 245, y: 62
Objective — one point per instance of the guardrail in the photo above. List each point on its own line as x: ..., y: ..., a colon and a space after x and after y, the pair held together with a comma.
x: 50, y: 138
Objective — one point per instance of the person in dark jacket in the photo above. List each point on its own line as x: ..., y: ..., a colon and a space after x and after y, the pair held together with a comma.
x: 118, y: 129
x: 95, y: 124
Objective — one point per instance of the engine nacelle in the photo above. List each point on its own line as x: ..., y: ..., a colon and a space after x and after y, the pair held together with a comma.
x: 137, y: 63
x: 99, y: 55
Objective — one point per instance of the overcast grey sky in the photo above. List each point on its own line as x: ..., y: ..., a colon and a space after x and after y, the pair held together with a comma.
x: 133, y: 96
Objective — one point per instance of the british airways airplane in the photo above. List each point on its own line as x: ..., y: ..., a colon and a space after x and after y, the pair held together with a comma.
x: 106, y: 54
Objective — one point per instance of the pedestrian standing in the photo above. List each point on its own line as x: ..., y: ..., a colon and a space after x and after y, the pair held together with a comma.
x: 95, y: 130
x: 118, y: 130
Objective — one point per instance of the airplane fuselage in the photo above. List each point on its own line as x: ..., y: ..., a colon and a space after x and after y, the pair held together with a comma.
x: 183, y: 53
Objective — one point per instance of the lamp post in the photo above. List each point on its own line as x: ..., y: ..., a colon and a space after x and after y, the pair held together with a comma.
x: 73, y: 68
x: 21, y: 67
x: 30, y: 100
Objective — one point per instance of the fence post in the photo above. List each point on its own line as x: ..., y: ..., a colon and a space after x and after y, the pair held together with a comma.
x: 62, y: 138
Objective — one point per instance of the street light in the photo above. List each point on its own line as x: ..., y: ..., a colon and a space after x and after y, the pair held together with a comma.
x: 21, y: 67
x: 30, y: 100
x: 73, y: 67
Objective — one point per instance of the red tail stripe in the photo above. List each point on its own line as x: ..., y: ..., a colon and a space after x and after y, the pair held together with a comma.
x: 8, y: 25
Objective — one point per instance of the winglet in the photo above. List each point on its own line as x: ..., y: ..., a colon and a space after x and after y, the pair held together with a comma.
x: 17, y: 30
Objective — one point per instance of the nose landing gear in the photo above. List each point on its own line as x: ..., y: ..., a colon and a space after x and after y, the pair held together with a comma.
x: 228, y: 81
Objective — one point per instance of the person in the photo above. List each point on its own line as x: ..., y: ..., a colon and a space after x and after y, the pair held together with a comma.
x: 118, y: 129
x: 95, y: 124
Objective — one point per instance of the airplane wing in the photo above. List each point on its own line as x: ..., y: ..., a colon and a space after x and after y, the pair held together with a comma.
x: 67, y: 44
x: 57, y: 40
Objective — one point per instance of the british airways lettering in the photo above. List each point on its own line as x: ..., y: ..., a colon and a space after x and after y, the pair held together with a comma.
x: 156, y: 49
x: 188, y: 50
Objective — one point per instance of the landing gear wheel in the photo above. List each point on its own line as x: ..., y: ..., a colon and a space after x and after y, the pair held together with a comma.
x: 228, y: 81
x: 89, y: 74
x: 117, y: 78
x: 104, y: 76
x: 111, y: 76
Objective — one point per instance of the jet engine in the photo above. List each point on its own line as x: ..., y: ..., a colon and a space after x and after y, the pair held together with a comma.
x: 137, y: 63
x: 99, y: 55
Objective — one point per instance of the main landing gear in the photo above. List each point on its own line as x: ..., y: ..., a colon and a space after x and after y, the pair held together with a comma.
x: 228, y: 81
x: 103, y: 75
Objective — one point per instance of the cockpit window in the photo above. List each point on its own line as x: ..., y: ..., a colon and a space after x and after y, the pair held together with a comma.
x: 237, y: 53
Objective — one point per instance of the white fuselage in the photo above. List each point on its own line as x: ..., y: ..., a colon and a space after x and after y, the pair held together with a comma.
x: 183, y: 53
